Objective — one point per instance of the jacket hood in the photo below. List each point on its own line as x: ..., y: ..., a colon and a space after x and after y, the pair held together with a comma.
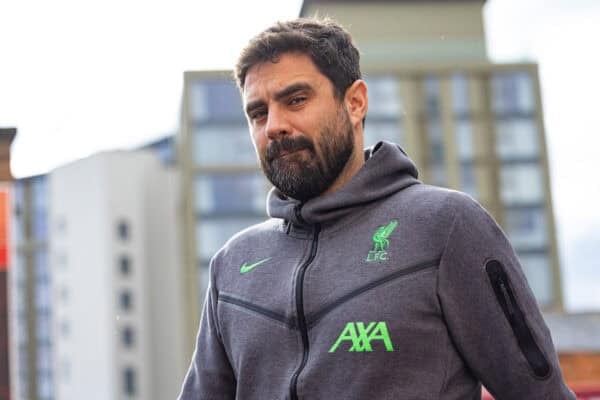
x: 387, y: 170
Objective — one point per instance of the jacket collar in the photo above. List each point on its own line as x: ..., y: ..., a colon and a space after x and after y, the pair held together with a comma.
x: 387, y: 170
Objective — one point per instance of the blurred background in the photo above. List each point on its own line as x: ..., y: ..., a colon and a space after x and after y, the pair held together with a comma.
x: 126, y: 163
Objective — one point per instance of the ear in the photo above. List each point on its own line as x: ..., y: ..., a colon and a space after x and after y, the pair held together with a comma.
x: 357, y: 102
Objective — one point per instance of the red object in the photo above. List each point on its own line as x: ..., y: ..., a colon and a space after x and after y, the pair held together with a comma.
x: 4, y: 229
x: 583, y: 393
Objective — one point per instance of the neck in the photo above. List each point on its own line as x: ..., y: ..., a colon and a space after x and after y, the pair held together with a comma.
x: 355, y: 162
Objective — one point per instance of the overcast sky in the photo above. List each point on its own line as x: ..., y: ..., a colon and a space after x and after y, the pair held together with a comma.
x: 78, y: 77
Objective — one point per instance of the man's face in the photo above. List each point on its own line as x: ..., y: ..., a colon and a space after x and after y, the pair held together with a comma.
x: 301, y: 132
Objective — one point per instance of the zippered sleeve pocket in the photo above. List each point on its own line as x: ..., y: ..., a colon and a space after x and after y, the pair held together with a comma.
x: 516, y: 319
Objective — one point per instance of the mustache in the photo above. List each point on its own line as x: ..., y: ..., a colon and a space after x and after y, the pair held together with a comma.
x: 288, y: 145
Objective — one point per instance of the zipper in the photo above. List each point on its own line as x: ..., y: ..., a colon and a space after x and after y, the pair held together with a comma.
x: 516, y: 319
x: 300, y: 313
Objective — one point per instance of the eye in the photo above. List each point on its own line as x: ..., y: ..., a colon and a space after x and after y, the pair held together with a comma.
x: 258, y: 114
x: 296, y: 100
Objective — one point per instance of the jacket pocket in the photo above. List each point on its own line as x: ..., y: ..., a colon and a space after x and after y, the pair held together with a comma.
x: 515, y: 317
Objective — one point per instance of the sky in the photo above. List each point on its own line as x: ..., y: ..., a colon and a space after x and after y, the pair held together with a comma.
x: 80, y: 77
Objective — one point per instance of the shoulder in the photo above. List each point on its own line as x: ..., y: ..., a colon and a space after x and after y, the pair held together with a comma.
x: 434, y: 202
x: 246, y: 240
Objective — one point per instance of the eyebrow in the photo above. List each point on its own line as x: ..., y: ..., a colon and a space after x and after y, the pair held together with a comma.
x: 282, y: 94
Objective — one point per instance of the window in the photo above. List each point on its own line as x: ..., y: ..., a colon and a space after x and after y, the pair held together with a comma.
x: 376, y: 131
x: 127, y: 336
x: 212, y: 234
x: 517, y: 138
x: 512, y: 92
x: 123, y: 230
x: 126, y: 300
x: 129, y: 381
x: 61, y: 225
x: 537, y: 269
x: 464, y: 139
x: 468, y: 182
x: 65, y: 370
x: 460, y: 94
x: 431, y: 88
x: 124, y: 265
x: 521, y: 183
x: 65, y: 328
x: 227, y: 193
x: 436, y: 152
x: 384, y: 96
x: 223, y: 145
x: 216, y: 99
x: 39, y: 193
x: 526, y: 227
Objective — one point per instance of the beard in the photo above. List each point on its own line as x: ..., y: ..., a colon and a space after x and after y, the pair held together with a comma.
x: 305, y: 175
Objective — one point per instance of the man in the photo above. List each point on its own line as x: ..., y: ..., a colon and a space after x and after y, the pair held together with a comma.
x: 365, y: 283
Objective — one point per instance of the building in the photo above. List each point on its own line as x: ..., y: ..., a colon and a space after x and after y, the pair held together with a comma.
x: 7, y: 135
x: 31, y: 295
x: 468, y: 124
x: 37, y: 302
x: 116, y: 278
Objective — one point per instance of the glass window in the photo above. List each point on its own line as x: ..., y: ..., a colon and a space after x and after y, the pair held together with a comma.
x: 18, y: 200
x: 65, y: 370
x: 165, y: 150
x: 127, y: 336
x: 376, y: 131
x: 526, y: 227
x: 39, y: 194
x: 123, y: 230
x: 64, y: 294
x: 512, y: 92
x: 431, y: 88
x: 45, y: 387
x: 223, y: 145
x: 44, y: 361
x: 216, y: 99
x: 521, y: 184
x: 227, y: 193
x: 126, y: 300
x: 40, y: 224
x: 460, y: 94
x: 468, y: 183
x: 44, y: 326
x: 212, y: 234
x: 516, y: 137
x: 129, y: 381
x: 384, y: 98
x: 464, y: 139
x: 65, y: 328
x: 538, y: 271
x: 124, y: 265
x: 436, y: 152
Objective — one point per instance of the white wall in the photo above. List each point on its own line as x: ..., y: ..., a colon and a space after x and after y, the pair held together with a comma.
x: 92, y: 196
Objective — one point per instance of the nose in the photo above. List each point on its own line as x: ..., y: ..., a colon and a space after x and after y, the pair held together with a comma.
x: 277, y: 124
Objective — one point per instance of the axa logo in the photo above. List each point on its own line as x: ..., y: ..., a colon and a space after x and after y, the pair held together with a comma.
x: 359, y: 337
x: 381, y: 242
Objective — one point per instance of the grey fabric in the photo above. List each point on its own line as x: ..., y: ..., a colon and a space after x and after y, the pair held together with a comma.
x: 424, y: 287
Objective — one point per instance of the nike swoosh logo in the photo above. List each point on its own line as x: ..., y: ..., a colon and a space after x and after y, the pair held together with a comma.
x: 247, y: 268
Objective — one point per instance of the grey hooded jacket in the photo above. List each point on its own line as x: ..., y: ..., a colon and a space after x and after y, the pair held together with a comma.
x: 385, y: 289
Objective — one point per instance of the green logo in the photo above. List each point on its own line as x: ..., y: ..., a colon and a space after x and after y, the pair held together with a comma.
x: 381, y: 242
x: 247, y: 268
x: 361, y: 336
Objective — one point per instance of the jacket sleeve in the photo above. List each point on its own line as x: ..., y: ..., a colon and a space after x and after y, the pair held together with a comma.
x: 210, y: 376
x: 491, y: 313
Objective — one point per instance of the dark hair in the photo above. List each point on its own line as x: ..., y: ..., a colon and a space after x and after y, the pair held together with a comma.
x: 327, y: 43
